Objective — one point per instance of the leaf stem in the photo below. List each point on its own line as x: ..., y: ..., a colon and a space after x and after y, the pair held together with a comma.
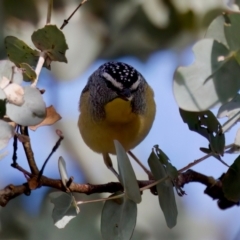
x: 101, y: 199
x: 39, y: 66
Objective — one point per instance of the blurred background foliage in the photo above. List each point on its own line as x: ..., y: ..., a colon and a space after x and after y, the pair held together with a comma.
x: 110, y: 29
x: 102, y: 29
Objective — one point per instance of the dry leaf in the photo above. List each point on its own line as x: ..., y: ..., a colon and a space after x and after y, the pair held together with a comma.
x: 51, y: 117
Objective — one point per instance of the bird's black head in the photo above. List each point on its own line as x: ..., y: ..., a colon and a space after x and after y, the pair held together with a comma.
x: 121, y: 78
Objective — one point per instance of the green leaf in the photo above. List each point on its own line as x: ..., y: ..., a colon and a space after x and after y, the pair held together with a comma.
x: 231, y: 30
x: 231, y: 182
x: 51, y: 40
x: 165, y: 191
x: 118, y: 219
x: 213, y: 78
x: 127, y: 174
x: 19, y: 52
x: 28, y: 72
x: 164, y: 159
x: 207, y: 125
x: 65, y: 208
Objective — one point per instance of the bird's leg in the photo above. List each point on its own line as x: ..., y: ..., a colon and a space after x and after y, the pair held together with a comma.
x: 108, y: 162
x: 150, y: 176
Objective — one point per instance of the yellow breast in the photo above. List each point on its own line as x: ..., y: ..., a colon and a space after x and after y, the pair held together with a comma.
x: 120, y: 123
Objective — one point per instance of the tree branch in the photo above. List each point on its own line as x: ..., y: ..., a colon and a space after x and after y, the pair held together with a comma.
x: 28, y: 151
x: 11, y: 191
x: 213, y: 187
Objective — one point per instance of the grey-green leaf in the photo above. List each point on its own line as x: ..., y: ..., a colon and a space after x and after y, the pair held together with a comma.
x: 165, y: 191
x: 213, y: 78
x: 216, y: 30
x: 127, y: 174
x: 63, y: 171
x: 31, y: 112
x: 65, y: 208
x: 118, y: 219
x: 10, y: 71
x: 231, y: 110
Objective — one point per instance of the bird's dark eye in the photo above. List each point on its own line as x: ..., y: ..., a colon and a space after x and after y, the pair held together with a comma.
x: 109, y: 84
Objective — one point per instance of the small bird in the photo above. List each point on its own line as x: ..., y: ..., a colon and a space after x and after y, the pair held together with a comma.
x: 116, y: 104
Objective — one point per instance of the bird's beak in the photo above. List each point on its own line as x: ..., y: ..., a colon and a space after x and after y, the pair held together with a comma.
x: 126, y: 94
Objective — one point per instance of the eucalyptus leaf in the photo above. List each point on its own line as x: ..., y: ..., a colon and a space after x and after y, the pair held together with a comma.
x: 164, y: 159
x: 216, y: 30
x: 236, y: 146
x: 165, y: 191
x: 31, y: 112
x: 118, y: 219
x: 207, y: 125
x: 10, y: 71
x: 65, y: 208
x: 51, y: 40
x: 28, y: 72
x: 6, y: 133
x: 231, y: 182
x: 19, y: 52
x: 127, y: 174
x: 231, y: 110
x: 63, y: 170
x: 212, y: 79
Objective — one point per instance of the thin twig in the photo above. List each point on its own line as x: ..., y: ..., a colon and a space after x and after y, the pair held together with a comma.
x: 39, y: 66
x: 49, y: 156
x: 15, y: 147
x: 65, y: 22
x: 28, y: 152
x: 25, y: 172
x: 195, y: 162
x: 49, y: 12
x: 150, y: 176
x: 229, y: 146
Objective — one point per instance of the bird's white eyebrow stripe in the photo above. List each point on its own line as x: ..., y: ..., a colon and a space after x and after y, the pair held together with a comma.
x: 135, y: 85
x: 112, y: 80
